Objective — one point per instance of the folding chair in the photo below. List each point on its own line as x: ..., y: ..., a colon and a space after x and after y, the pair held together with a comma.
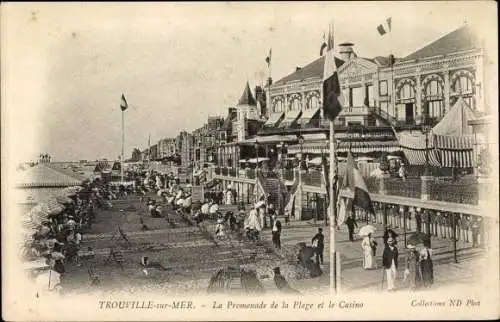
x: 116, y: 256
x: 94, y: 278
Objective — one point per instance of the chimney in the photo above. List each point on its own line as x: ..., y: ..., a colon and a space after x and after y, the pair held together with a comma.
x: 346, y: 51
x: 298, y: 68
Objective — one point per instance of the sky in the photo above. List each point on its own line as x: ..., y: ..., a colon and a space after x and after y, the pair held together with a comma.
x: 65, y: 65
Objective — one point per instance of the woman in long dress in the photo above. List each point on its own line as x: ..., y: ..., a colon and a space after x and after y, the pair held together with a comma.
x: 368, y: 256
x: 229, y: 197
x: 426, y: 265
x: 413, y: 272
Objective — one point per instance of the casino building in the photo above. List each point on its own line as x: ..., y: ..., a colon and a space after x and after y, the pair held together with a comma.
x: 378, y: 93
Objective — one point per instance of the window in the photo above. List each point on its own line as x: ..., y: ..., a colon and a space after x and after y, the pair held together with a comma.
x: 370, y: 99
x: 434, y: 96
x: 358, y: 96
x: 278, y: 106
x: 436, y: 109
x: 407, y: 92
x: 464, y: 87
x: 313, y: 102
x: 433, y: 89
x: 294, y: 105
x: 383, y: 88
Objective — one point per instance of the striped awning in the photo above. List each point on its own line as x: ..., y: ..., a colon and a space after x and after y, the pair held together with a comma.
x: 308, y: 115
x: 269, y: 139
x: 417, y: 157
x: 355, y: 147
x: 443, y: 150
x: 275, y: 119
x: 448, y: 142
x: 290, y: 118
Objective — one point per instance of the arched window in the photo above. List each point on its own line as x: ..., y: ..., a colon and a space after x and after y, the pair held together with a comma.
x: 278, y: 106
x: 407, y: 92
x: 434, y: 98
x: 294, y: 104
x: 464, y: 86
x: 313, y: 102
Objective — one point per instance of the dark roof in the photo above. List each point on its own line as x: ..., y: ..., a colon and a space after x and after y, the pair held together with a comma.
x: 314, y: 69
x: 459, y: 40
x: 247, y: 97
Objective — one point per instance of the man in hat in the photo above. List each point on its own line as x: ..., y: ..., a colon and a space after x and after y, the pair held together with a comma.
x: 390, y: 262
x: 276, y: 232
x: 318, y: 242
x: 351, y: 223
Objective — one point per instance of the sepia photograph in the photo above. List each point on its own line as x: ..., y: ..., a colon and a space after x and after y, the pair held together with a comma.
x: 249, y: 161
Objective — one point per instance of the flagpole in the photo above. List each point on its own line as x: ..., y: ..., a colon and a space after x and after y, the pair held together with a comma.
x: 123, y: 144
x: 334, y: 274
x: 333, y: 214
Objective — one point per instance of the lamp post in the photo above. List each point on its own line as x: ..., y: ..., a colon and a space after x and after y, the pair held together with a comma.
x: 256, y: 156
x: 301, y: 144
x: 425, y: 130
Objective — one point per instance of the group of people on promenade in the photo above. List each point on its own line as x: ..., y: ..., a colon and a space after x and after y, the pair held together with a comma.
x: 54, y: 230
x: 418, y: 265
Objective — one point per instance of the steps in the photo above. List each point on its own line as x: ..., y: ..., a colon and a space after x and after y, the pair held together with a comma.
x: 273, y: 188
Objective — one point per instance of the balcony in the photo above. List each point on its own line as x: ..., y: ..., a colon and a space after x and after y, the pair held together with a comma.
x: 288, y: 174
x: 464, y: 193
x: 312, y: 178
x: 409, y: 188
x: 373, y: 184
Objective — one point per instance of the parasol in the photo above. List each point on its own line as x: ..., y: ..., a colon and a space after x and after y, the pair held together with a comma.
x: 213, y: 209
x: 39, y: 213
x: 205, y: 208
x: 63, y: 200
x: 187, y: 202
x: 54, y: 207
x: 48, y: 279
x: 366, y: 230
x: 260, y: 204
x: 37, y: 264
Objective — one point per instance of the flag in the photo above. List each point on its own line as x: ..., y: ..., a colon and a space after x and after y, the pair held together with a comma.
x: 354, y: 181
x: 123, y: 104
x: 323, y: 46
x: 326, y: 175
x: 268, y: 58
x: 342, y: 205
x: 385, y: 27
x: 331, y: 85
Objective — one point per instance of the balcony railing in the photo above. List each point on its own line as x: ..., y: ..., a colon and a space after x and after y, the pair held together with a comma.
x: 410, y: 188
x: 466, y: 193
x: 250, y: 173
x: 373, y: 184
x: 312, y: 178
x: 288, y: 174
x: 461, y: 192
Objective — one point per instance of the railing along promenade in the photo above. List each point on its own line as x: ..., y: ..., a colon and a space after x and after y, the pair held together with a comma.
x: 461, y: 196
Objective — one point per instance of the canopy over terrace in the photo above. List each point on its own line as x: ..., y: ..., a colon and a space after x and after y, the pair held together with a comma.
x: 449, y: 144
x: 277, y: 139
x: 359, y: 147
